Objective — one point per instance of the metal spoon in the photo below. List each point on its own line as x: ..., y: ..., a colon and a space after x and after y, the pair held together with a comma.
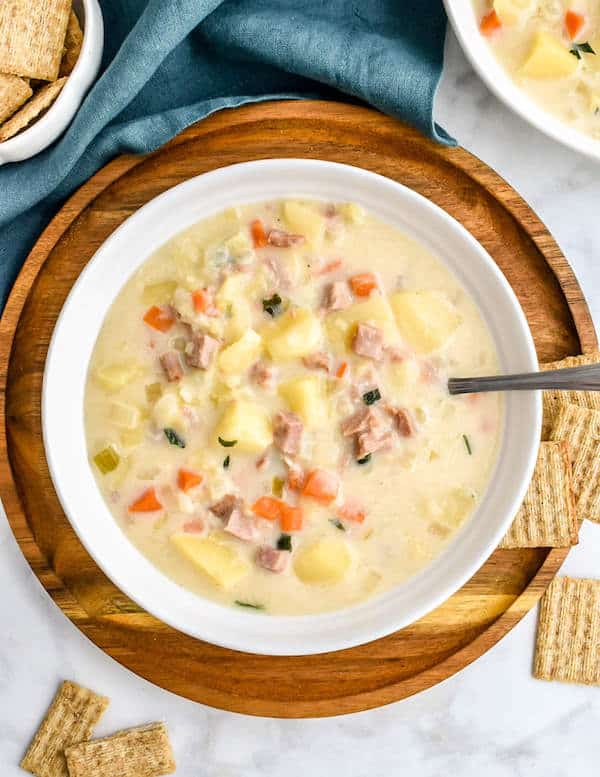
x: 586, y: 378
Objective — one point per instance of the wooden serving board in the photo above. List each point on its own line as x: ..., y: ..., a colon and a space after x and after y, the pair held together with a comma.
x: 419, y: 656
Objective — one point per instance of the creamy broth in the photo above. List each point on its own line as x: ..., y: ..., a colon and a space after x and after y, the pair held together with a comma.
x: 266, y: 407
x: 551, y: 48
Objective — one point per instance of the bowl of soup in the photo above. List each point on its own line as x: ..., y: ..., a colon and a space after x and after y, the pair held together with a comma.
x: 246, y: 415
x: 542, y: 58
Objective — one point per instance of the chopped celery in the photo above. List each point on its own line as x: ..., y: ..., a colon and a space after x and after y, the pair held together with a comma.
x: 107, y: 460
x: 277, y: 487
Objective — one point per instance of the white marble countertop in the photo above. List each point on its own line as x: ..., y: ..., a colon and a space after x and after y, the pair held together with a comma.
x: 492, y: 719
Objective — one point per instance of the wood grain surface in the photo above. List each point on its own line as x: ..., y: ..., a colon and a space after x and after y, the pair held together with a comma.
x: 419, y: 656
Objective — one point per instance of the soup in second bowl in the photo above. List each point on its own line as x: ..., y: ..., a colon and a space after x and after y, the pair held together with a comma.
x: 551, y: 49
x: 266, y: 407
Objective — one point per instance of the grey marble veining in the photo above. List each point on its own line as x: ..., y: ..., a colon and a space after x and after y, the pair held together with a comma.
x: 491, y: 720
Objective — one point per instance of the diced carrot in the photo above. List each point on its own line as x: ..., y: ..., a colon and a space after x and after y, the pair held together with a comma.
x: 202, y: 300
x: 146, y: 503
x: 291, y: 518
x: 268, y: 507
x: 363, y: 284
x: 161, y: 318
x: 186, y: 479
x: 490, y: 23
x: 321, y: 485
x: 351, y: 511
x: 259, y: 235
x: 574, y: 22
x: 341, y: 370
x: 196, y: 526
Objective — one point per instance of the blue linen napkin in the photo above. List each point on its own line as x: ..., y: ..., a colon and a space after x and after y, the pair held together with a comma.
x: 169, y: 63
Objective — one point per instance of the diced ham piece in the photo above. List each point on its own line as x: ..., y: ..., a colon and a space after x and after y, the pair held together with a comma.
x: 403, y: 423
x: 171, y: 364
x: 225, y: 506
x: 337, y: 296
x: 370, y: 442
x: 287, y: 432
x: 368, y: 342
x: 272, y: 559
x: 263, y: 375
x: 360, y: 421
x: 282, y: 239
x: 241, y: 526
x: 317, y: 361
x: 296, y: 475
x: 200, y: 351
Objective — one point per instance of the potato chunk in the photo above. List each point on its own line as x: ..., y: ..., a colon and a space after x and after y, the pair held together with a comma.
x: 326, y: 561
x: 216, y: 560
x: 306, y: 396
x: 113, y: 377
x: 304, y: 220
x: 376, y: 310
x: 247, y: 423
x: 241, y: 355
x: 167, y: 412
x: 549, y: 58
x: 294, y: 334
x: 426, y: 319
x: 124, y: 415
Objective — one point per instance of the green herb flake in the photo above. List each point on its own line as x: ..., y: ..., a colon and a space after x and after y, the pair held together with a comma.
x: 365, y: 459
x: 250, y: 605
x: 467, y: 444
x: 272, y: 306
x: 284, y: 542
x: 226, y: 462
x: 277, y: 487
x: 370, y: 397
x: 579, y: 48
x: 174, y: 438
x: 227, y: 443
x: 338, y: 524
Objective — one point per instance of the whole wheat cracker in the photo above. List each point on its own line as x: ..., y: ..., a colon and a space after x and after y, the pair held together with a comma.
x: 568, y: 634
x: 31, y: 110
x: 70, y: 719
x: 14, y: 91
x: 580, y: 428
x: 144, y: 751
x: 73, y: 44
x: 547, y: 517
x: 554, y: 399
x: 32, y: 37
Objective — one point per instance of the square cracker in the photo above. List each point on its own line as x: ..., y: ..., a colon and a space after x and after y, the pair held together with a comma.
x: 70, y: 719
x: 32, y: 109
x: 554, y: 399
x: 32, y: 36
x: 144, y: 751
x: 580, y: 428
x: 568, y: 634
x: 14, y: 91
x: 547, y: 516
x: 73, y: 44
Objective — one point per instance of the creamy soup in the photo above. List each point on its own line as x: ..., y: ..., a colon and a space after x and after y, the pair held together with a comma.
x: 551, y: 48
x: 266, y: 407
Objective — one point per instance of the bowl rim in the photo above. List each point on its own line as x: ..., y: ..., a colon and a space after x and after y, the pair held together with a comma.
x: 482, y: 59
x: 249, y: 632
x: 40, y: 134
